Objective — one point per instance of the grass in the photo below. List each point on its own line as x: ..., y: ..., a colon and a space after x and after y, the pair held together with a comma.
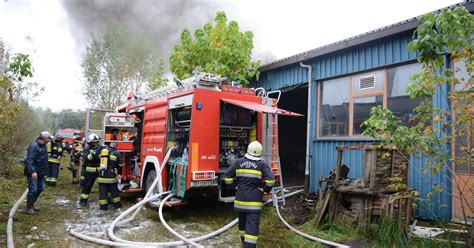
x: 49, y: 222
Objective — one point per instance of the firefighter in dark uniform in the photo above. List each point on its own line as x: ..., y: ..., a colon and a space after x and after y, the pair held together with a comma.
x: 110, y: 161
x: 55, y: 152
x: 247, y: 174
x: 75, y: 163
x: 90, y: 164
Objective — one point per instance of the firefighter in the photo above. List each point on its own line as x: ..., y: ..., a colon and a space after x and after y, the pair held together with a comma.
x: 75, y: 163
x: 55, y: 152
x: 247, y: 174
x: 36, y: 167
x: 90, y: 162
x: 110, y: 161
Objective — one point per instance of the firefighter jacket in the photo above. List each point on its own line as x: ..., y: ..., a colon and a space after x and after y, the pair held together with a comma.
x: 55, y: 152
x: 76, y: 153
x: 247, y: 175
x: 110, y: 161
x: 90, y: 160
x: 36, y: 159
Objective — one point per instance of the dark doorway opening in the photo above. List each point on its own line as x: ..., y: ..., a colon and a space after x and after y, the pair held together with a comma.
x: 292, y: 134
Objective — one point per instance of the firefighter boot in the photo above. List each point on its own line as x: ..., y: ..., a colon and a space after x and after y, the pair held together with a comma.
x: 117, y: 205
x: 29, y: 206
x: 74, y: 177
x: 83, y: 202
x: 34, y: 207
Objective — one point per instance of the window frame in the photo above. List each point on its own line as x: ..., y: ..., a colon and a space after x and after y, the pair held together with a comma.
x: 470, y: 171
x: 352, y: 96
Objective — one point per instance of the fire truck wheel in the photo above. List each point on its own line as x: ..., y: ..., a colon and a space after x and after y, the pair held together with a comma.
x: 151, y: 176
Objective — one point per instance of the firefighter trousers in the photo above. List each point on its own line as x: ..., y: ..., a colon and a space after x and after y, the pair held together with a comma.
x: 74, y: 167
x: 248, y: 228
x: 53, y: 172
x: 104, y: 190
x: 82, y: 178
x: 89, y: 180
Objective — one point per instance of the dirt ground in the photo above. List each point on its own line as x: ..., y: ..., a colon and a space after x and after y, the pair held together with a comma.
x: 60, y: 211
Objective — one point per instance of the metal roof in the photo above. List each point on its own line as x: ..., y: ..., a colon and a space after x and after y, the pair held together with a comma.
x: 386, y: 31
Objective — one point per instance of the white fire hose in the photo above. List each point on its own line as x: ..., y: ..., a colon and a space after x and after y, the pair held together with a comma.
x: 322, y: 241
x: 10, y: 242
x: 118, y: 242
x: 126, y: 243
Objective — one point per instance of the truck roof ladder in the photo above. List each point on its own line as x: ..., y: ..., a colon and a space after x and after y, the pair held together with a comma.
x: 199, y: 79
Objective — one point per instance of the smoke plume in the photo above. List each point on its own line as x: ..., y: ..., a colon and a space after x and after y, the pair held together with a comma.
x: 162, y: 20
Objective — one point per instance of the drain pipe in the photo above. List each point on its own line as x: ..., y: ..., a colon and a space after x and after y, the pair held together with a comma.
x: 308, y: 130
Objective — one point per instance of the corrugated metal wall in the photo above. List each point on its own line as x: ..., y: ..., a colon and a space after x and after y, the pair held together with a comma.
x: 377, y: 54
x: 385, y: 52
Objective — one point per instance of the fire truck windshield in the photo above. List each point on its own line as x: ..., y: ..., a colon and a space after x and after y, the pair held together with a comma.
x: 66, y: 134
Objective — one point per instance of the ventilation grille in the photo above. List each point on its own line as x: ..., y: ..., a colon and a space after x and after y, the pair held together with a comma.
x: 367, y: 82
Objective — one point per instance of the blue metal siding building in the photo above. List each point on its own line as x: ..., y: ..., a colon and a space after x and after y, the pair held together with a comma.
x: 382, y: 48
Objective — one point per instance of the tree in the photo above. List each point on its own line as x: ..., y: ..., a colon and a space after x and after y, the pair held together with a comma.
x: 449, y: 30
x: 16, y: 118
x: 117, y: 62
x: 68, y: 118
x: 220, y: 49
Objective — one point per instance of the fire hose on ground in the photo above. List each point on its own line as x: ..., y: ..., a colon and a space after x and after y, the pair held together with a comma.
x: 10, y: 242
x: 137, y: 207
x: 120, y: 242
x: 116, y: 241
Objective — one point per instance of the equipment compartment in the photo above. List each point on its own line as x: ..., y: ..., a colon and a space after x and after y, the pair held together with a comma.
x: 238, y: 127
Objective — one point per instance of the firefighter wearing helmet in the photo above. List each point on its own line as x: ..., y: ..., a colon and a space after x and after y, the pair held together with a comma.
x: 110, y: 162
x: 55, y: 153
x: 247, y: 175
x: 90, y: 163
x: 75, y: 163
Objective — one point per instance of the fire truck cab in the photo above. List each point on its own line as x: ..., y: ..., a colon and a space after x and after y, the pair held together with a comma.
x: 207, y: 125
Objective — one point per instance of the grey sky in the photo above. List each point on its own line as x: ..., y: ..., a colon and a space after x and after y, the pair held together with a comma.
x: 282, y: 28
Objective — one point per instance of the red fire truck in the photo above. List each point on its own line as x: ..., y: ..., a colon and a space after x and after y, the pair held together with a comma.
x: 68, y: 134
x: 203, y: 124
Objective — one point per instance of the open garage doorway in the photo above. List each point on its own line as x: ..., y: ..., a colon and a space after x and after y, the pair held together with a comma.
x: 292, y: 134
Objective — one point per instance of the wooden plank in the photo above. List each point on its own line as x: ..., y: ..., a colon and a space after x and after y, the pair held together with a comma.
x: 322, y: 210
x: 338, y: 166
x: 366, y: 178
x: 372, y: 162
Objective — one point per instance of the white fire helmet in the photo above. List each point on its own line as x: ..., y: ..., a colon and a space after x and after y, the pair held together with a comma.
x: 254, y: 151
x: 93, y: 138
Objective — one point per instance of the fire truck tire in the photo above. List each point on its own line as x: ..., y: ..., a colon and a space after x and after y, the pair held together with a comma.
x: 150, y: 177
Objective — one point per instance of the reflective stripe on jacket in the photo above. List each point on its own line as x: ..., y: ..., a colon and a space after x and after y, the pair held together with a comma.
x: 113, y: 160
x: 55, y: 152
x: 247, y: 175
x: 90, y: 157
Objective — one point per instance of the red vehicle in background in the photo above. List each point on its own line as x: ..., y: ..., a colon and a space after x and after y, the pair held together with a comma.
x: 189, y: 134
x: 68, y: 134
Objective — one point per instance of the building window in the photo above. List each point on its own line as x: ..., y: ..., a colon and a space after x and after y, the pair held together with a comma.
x: 345, y: 103
x: 398, y: 101
x: 463, y: 133
x: 361, y: 111
x: 334, y: 107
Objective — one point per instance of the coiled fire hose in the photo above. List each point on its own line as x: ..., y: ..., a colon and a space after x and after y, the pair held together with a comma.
x: 126, y: 243
x: 148, y: 197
